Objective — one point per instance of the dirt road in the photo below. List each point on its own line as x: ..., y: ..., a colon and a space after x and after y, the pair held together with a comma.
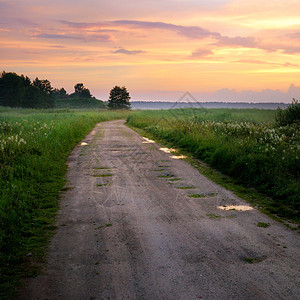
x: 138, y: 223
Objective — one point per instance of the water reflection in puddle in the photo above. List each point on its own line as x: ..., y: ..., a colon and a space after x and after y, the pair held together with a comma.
x: 147, y: 141
x: 179, y: 156
x: 167, y: 150
x: 236, y: 207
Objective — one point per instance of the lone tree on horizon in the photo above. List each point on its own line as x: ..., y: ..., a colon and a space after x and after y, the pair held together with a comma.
x: 119, y: 98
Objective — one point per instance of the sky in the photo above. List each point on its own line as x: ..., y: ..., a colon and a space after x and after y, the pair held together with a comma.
x: 218, y: 50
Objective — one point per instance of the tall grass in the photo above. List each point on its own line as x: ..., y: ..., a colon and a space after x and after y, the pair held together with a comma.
x: 244, y: 144
x: 34, y: 146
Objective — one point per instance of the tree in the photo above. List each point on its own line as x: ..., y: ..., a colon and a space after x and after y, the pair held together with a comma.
x: 33, y: 97
x: 47, y: 92
x: 44, y: 86
x: 60, y: 93
x: 119, y: 98
x: 26, y: 80
x: 11, y: 89
x: 18, y: 91
x: 78, y: 88
x: 81, y: 91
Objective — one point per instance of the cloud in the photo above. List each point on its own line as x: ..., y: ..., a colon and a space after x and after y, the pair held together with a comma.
x: 248, y: 42
x: 290, y: 49
x: 201, y: 53
x: 260, y: 62
x: 128, y: 52
x: 295, y: 35
x: 82, y: 37
x: 193, y: 32
x: 294, y: 91
x: 225, y: 95
x: 267, y: 95
x: 190, y: 32
x: 57, y: 46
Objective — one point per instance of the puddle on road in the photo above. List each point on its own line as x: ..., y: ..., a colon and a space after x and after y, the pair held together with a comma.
x: 167, y: 150
x: 147, y: 141
x: 236, y: 207
x: 171, y: 150
x: 179, y: 156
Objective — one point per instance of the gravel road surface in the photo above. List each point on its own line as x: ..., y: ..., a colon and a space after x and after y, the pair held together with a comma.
x: 137, y: 222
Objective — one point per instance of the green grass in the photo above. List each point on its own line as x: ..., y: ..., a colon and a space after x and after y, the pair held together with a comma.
x: 254, y: 260
x: 263, y: 225
x: 174, y: 179
x: 214, y: 216
x: 102, y: 175
x: 186, y: 187
x: 197, y: 196
x: 80, y: 103
x: 166, y: 176
x: 34, y: 146
x: 244, y: 144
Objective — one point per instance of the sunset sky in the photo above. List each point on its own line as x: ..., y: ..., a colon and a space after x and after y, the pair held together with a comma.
x: 228, y: 50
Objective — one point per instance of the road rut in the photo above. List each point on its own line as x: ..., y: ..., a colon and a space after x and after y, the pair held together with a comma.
x: 138, y: 223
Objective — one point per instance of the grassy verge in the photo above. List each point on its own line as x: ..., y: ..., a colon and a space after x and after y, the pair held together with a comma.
x: 34, y: 146
x: 253, y: 153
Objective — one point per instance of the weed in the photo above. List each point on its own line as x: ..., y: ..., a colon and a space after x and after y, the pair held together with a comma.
x: 166, y: 176
x: 196, y: 196
x: 263, y: 225
x: 214, y: 216
x: 102, y: 175
x: 253, y: 260
x: 186, y: 187
x: 104, y: 226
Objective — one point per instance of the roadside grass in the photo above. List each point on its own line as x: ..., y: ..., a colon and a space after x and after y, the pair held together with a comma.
x: 34, y: 146
x: 259, y: 161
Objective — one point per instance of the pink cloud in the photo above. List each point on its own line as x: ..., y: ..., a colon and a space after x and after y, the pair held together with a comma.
x: 193, y: 32
x: 248, y: 42
x: 200, y: 53
x: 128, y: 52
x: 260, y: 62
x: 82, y: 37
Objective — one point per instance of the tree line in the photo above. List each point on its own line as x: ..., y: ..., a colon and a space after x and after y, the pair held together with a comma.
x: 19, y: 91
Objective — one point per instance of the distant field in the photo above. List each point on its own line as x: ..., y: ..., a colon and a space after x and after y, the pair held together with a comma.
x: 80, y: 103
x: 244, y: 144
x: 34, y: 146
